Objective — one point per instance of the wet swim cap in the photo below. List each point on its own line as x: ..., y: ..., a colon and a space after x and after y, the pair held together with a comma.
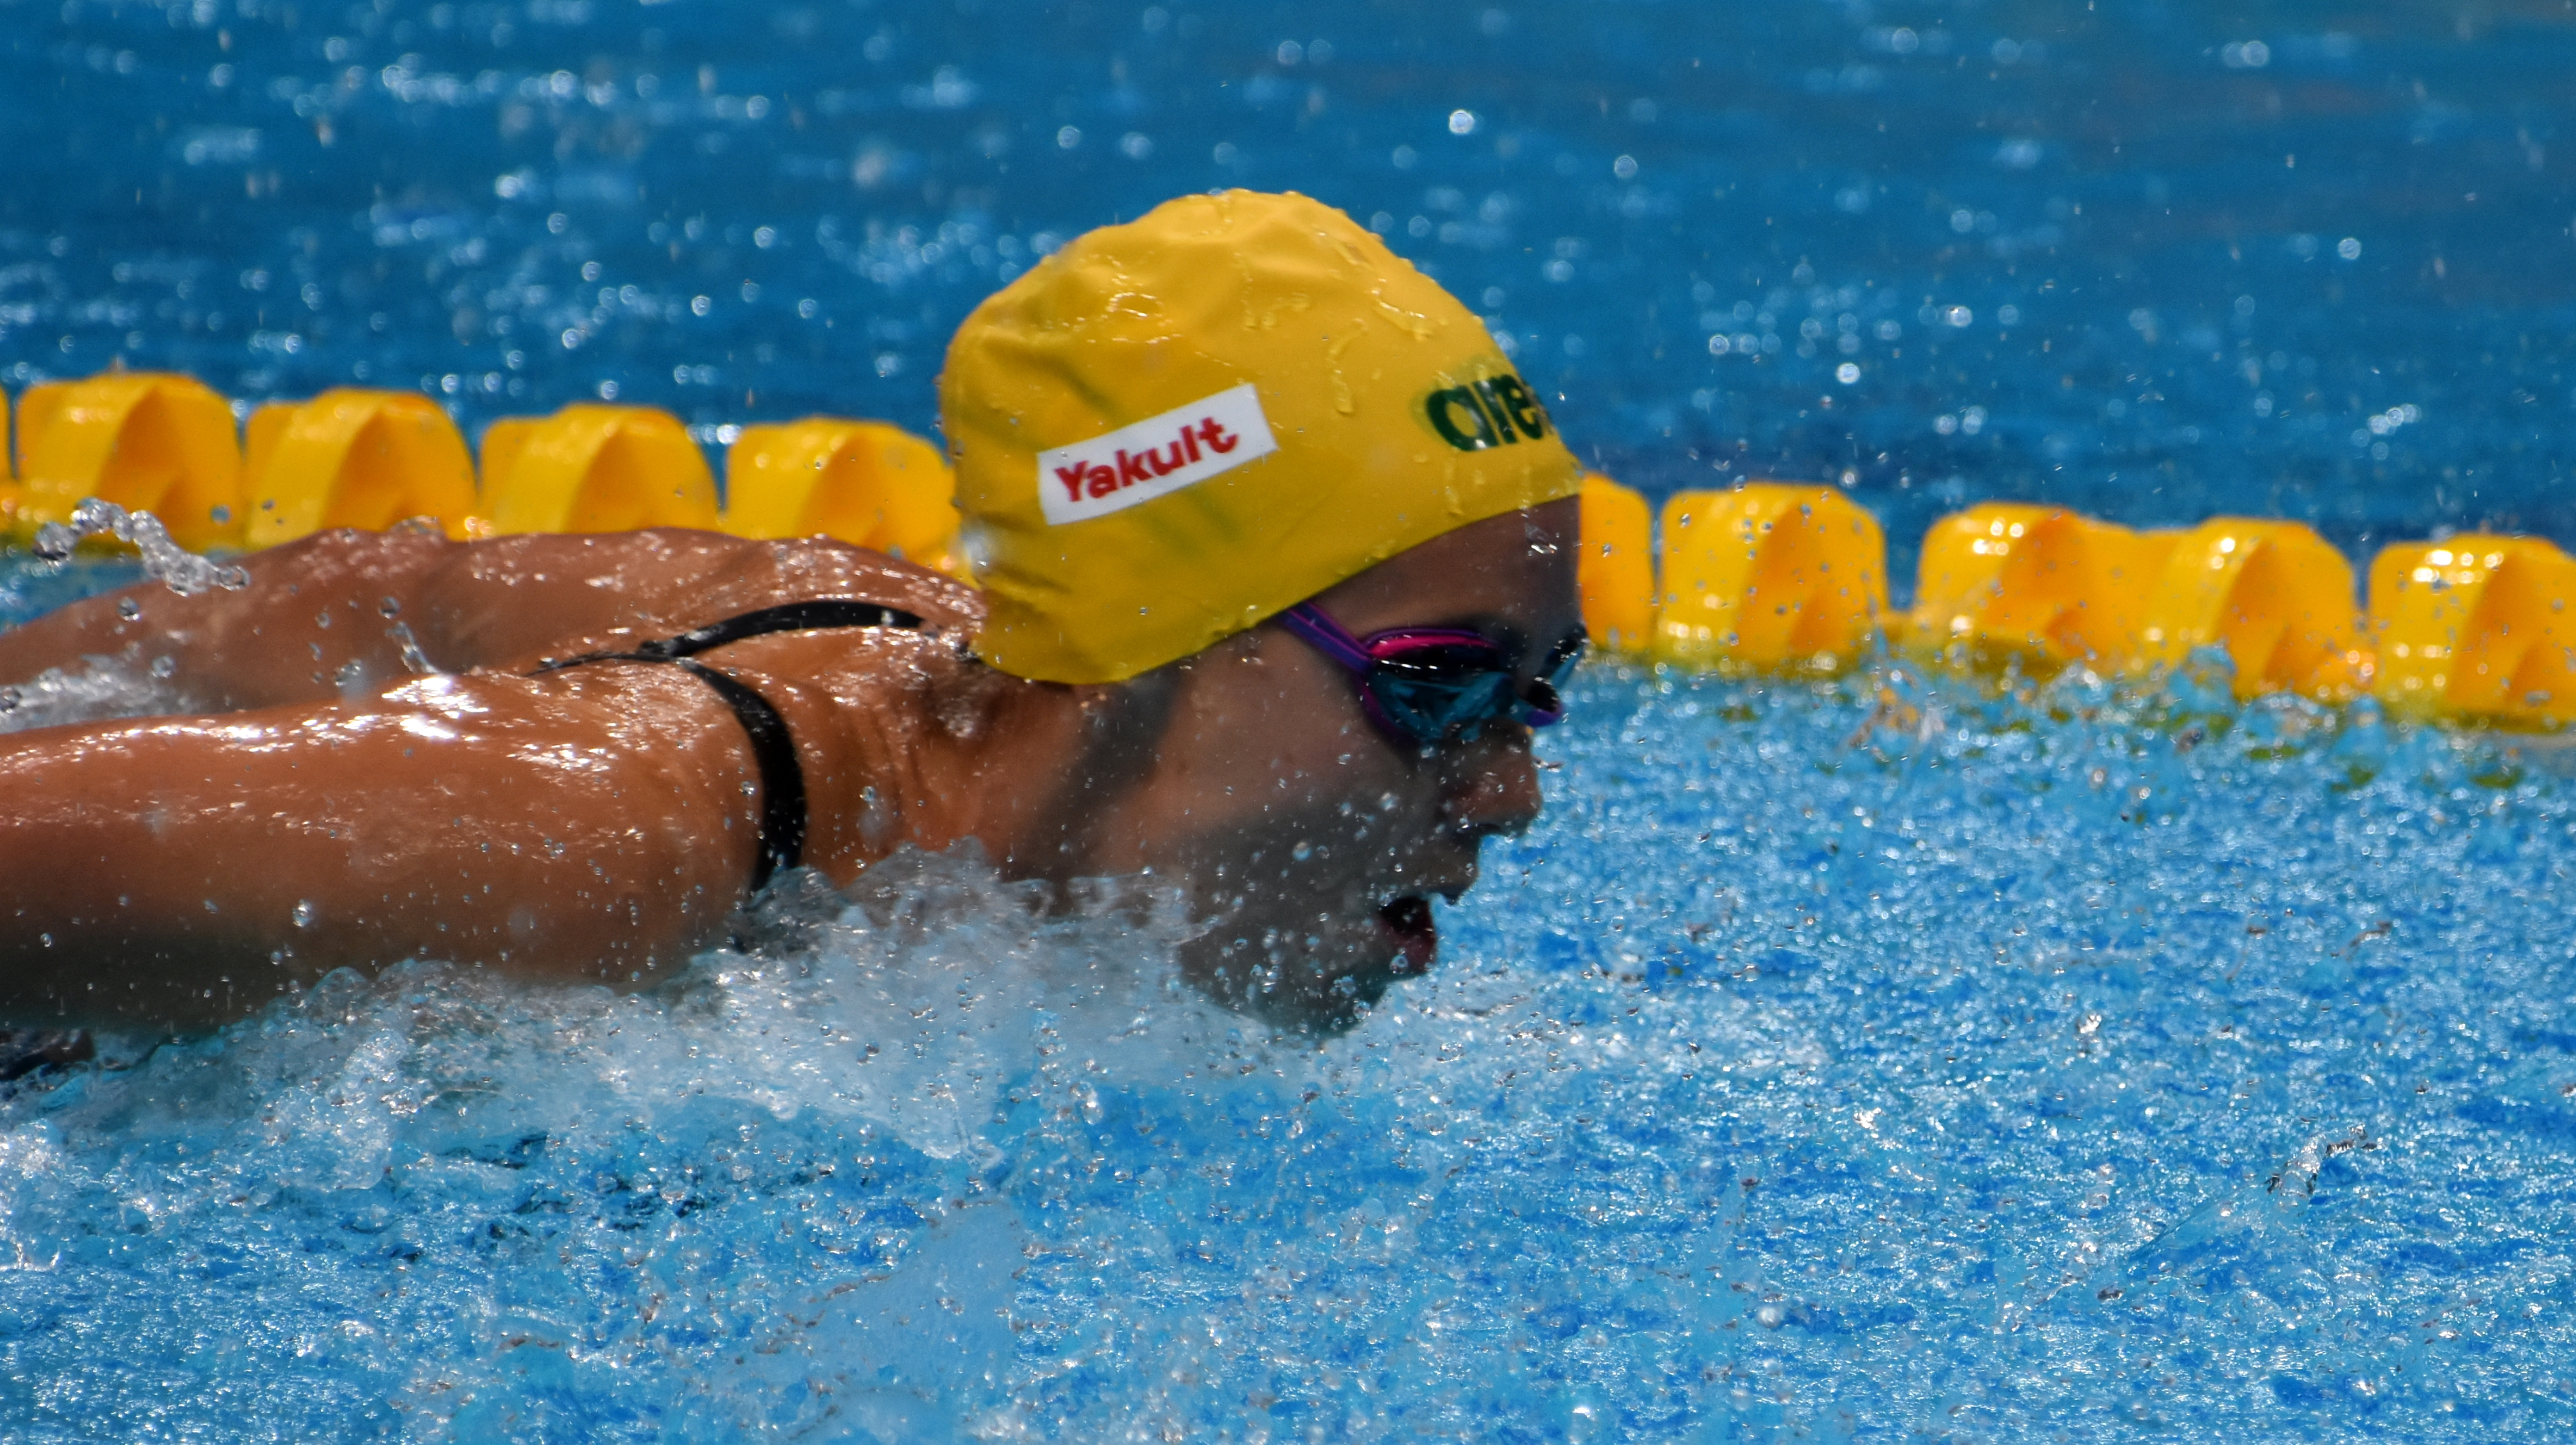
x: 1172, y: 429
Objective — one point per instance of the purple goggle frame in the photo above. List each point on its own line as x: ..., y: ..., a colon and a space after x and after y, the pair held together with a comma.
x: 1431, y: 687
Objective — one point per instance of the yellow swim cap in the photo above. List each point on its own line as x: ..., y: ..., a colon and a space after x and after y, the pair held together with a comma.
x: 1172, y: 429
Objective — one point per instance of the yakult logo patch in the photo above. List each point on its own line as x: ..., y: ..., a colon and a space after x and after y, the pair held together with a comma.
x: 1154, y: 457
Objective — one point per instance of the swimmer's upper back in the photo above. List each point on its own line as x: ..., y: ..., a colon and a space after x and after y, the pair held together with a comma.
x: 343, y: 612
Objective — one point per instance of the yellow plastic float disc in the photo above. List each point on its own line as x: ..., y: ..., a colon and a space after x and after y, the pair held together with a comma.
x: 1615, y: 569
x: 2275, y: 595
x: 1770, y: 576
x: 2476, y: 626
x: 864, y: 482
x: 147, y: 441
x: 593, y: 468
x: 2039, y: 583
x: 13, y: 497
x: 355, y: 458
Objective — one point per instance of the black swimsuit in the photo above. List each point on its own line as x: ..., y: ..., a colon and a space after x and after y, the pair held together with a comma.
x: 773, y: 751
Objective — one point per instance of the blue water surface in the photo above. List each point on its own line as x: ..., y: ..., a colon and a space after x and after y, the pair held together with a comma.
x: 1831, y: 1064
x: 2152, y: 259
x: 1889, y: 1059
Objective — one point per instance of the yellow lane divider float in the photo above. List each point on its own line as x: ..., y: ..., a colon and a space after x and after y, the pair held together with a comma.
x: 1615, y: 569
x: 862, y: 481
x: 2006, y: 582
x: 2476, y: 627
x: 1770, y: 577
x: 146, y: 441
x: 1778, y: 578
x: 353, y: 457
x: 2050, y: 587
x: 2275, y: 596
x: 592, y: 468
x: 1764, y: 578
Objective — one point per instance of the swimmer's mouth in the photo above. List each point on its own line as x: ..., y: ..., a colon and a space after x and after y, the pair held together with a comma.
x: 1416, y: 933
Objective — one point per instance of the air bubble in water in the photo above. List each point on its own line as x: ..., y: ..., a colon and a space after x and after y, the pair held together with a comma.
x: 305, y: 913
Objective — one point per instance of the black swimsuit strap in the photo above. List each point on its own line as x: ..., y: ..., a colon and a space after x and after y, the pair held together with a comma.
x: 782, y: 777
x: 783, y: 814
x: 786, y: 617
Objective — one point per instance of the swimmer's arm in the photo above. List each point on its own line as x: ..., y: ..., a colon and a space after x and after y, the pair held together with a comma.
x: 178, y: 873
x: 263, y: 645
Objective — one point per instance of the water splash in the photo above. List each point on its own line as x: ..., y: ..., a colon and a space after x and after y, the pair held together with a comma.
x: 182, y: 571
x: 432, y: 1117
x: 103, y: 688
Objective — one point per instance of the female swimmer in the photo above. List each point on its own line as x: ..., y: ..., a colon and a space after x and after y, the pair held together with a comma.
x: 1277, y: 571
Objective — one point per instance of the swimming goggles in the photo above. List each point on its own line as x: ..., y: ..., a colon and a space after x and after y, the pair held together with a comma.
x: 1429, y: 687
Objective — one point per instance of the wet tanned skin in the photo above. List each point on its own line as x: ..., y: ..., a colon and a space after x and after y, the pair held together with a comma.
x: 327, y: 808
x: 598, y: 823
x: 315, y: 624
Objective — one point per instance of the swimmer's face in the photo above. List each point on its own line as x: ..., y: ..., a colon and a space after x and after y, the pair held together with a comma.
x: 1312, y: 841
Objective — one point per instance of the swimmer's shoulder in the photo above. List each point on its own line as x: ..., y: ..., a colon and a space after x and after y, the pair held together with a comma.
x: 807, y: 569
x: 664, y: 571
x: 507, y: 599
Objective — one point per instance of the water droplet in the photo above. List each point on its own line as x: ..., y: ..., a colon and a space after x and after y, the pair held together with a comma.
x: 305, y: 913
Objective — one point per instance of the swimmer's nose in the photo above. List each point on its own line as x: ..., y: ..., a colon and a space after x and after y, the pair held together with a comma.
x: 1495, y: 792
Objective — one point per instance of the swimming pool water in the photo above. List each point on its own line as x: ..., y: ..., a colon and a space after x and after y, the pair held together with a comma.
x: 2093, y: 256
x: 1893, y: 1059
x: 1827, y: 1065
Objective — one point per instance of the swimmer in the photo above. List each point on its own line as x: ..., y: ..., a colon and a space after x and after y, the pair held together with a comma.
x: 1276, y: 565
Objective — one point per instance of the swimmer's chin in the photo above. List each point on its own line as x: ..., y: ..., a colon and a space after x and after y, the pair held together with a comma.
x: 1326, y: 990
